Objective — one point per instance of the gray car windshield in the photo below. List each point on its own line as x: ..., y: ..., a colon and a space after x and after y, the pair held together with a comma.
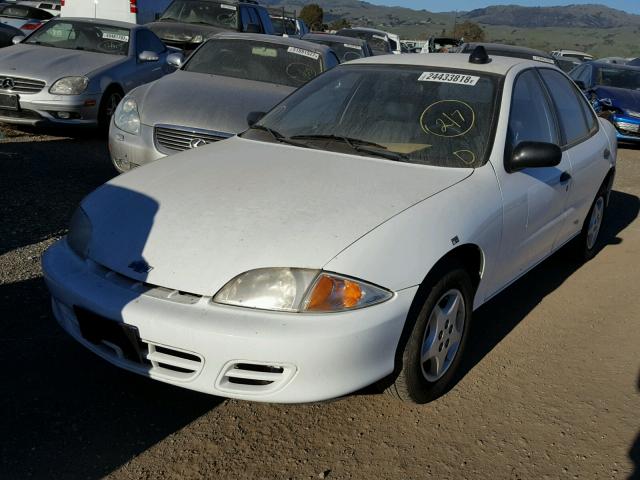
x: 201, y: 12
x: 91, y: 37
x: 410, y: 114
x: 619, y: 77
x: 258, y: 61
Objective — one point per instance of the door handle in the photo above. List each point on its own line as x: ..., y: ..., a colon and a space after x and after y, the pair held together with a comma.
x: 607, y: 154
x: 565, y: 177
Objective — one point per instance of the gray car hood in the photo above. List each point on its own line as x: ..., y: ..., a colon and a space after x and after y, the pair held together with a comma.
x: 50, y: 64
x: 209, y: 102
x: 201, y: 217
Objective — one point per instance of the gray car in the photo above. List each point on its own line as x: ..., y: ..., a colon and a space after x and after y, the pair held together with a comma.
x: 74, y: 71
x: 211, y: 96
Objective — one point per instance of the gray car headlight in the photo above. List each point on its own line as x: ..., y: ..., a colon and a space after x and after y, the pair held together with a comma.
x: 69, y: 86
x: 126, y: 117
x: 299, y: 290
x: 80, y: 231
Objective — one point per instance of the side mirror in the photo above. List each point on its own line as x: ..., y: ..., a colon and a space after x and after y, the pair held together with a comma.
x: 533, y: 155
x: 148, y: 56
x: 175, y: 60
x: 253, y: 28
x: 580, y: 84
x: 17, y: 39
x: 254, y: 117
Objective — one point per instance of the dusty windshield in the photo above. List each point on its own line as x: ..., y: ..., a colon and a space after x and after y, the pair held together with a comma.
x: 619, y: 78
x: 259, y: 61
x: 90, y: 37
x: 379, y: 43
x: 410, y: 114
x: 344, y: 51
x: 201, y: 12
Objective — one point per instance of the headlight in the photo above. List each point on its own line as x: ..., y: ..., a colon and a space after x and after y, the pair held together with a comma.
x: 127, y: 117
x: 299, y: 290
x: 80, y: 232
x: 69, y: 86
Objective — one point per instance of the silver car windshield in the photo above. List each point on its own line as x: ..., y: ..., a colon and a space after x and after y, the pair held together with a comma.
x: 91, y: 37
x: 413, y: 114
x: 201, y: 12
x: 259, y: 61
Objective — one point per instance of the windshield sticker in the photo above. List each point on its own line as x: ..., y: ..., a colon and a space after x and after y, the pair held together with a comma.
x: 115, y: 36
x: 303, y: 52
x: 228, y: 7
x: 264, y: 52
x: 443, y: 77
x: 380, y: 37
x: 543, y: 59
x: 348, y: 45
x: 448, y: 118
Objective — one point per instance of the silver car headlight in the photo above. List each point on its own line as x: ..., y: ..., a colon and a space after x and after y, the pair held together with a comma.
x: 80, y: 232
x: 69, y: 86
x: 299, y: 290
x: 127, y: 117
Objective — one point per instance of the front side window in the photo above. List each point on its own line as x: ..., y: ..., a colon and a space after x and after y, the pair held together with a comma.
x: 91, y: 37
x: 259, y: 61
x: 439, y: 118
x: 202, y: 12
x: 147, y: 41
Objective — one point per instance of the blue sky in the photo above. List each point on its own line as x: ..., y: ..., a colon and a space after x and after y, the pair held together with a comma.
x: 632, y: 6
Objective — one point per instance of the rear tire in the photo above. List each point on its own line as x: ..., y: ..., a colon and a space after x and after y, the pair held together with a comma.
x: 108, y: 104
x: 433, y: 352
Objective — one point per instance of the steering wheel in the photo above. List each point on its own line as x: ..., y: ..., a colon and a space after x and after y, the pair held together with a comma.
x: 109, y: 46
x: 300, y: 72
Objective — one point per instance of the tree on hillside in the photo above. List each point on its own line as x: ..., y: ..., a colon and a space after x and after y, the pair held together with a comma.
x: 312, y: 15
x: 470, y: 31
x: 338, y: 24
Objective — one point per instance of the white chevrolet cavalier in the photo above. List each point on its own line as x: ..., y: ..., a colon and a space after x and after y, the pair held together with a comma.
x: 345, y: 238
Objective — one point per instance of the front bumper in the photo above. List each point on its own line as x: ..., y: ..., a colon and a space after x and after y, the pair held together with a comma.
x: 129, y: 151
x: 44, y: 108
x: 228, y: 351
x: 627, y: 128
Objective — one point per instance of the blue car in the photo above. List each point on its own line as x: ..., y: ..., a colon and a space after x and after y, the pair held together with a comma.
x: 614, y: 91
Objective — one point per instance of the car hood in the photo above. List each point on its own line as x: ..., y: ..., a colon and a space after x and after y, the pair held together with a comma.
x: 621, y: 98
x: 183, y: 32
x: 201, y: 217
x: 209, y: 102
x: 50, y: 64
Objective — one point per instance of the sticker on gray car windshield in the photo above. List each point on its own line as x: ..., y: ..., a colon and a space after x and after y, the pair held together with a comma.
x: 444, y: 77
x: 543, y: 59
x: 303, y: 52
x: 348, y: 45
x: 115, y: 36
x: 228, y: 7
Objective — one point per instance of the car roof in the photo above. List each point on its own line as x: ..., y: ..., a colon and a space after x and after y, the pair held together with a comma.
x: 287, y: 41
x: 365, y: 29
x: 101, y: 21
x: 334, y: 38
x: 498, y: 65
x: 508, y: 48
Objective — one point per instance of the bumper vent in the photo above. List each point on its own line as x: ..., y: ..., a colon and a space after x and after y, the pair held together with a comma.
x: 254, y: 378
x: 171, y: 139
x: 20, y: 85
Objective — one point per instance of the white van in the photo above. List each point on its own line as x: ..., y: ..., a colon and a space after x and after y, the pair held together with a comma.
x: 132, y: 11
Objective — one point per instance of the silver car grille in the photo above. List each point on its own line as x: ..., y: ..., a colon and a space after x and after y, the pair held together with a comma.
x: 170, y: 139
x: 20, y: 85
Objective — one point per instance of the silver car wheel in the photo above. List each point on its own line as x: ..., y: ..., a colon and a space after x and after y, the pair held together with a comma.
x: 595, y: 222
x: 442, y: 335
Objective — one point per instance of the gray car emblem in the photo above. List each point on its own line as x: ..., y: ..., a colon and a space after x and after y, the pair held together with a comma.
x: 197, y: 142
x: 8, y: 84
x: 140, y: 266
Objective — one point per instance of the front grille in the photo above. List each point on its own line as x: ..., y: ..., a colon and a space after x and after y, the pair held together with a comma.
x: 20, y: 85
x: 21, y: 114
x: 171, y: 139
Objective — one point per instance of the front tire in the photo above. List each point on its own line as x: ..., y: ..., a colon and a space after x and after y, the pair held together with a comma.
x: 108, y: 104
x: 587, y: 242
x: 434, y: 349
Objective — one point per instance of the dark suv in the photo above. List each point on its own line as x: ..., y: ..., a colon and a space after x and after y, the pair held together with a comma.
x: 187, y: 23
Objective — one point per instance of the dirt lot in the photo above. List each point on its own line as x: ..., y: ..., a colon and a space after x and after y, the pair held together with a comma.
x: 551, y: 388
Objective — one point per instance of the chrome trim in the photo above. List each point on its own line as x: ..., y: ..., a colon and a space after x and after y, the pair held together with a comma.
x: 170, y: 139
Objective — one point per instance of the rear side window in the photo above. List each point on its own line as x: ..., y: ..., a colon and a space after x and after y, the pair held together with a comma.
x: 531, y: 118
x: 567, y: 100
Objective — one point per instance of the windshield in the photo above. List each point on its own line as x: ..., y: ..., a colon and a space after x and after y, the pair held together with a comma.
x: 201, y: 12
x: 619, y: 77
x: 378, y: 43
x: 344, y: 51
x: 416, y: 115
x: 74, y: 35
x: 288, y: 24
x: 259, y: 61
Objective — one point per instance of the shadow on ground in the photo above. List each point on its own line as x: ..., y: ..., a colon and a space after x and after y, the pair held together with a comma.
x: 634, y: 452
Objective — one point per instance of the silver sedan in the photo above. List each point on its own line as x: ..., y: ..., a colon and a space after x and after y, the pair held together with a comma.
x: 76, y: 71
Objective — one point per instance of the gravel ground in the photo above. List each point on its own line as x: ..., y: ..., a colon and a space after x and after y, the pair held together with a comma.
x: 550, y: 387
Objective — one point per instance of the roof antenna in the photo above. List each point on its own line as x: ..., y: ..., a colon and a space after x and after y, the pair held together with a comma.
x: 479, y: 56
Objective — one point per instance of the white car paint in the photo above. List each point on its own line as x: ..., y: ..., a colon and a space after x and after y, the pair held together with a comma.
x: 212, y: 213
x: 140, y: 12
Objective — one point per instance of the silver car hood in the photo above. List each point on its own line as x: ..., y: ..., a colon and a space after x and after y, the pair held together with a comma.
x: 50, y: 64
x: 209, y: 102
x: 201, y: 217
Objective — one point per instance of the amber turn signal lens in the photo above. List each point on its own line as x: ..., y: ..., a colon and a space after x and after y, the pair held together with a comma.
x: 334, y: 294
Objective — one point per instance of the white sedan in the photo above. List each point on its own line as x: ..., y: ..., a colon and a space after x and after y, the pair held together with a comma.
x: 345, y: 238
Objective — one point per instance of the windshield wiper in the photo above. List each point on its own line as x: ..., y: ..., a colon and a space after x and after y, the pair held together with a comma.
x: 359, y: 145
x: 42, y: 44
x: 278, y: 136
x: 168, y: 19
x: 200, y: 22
